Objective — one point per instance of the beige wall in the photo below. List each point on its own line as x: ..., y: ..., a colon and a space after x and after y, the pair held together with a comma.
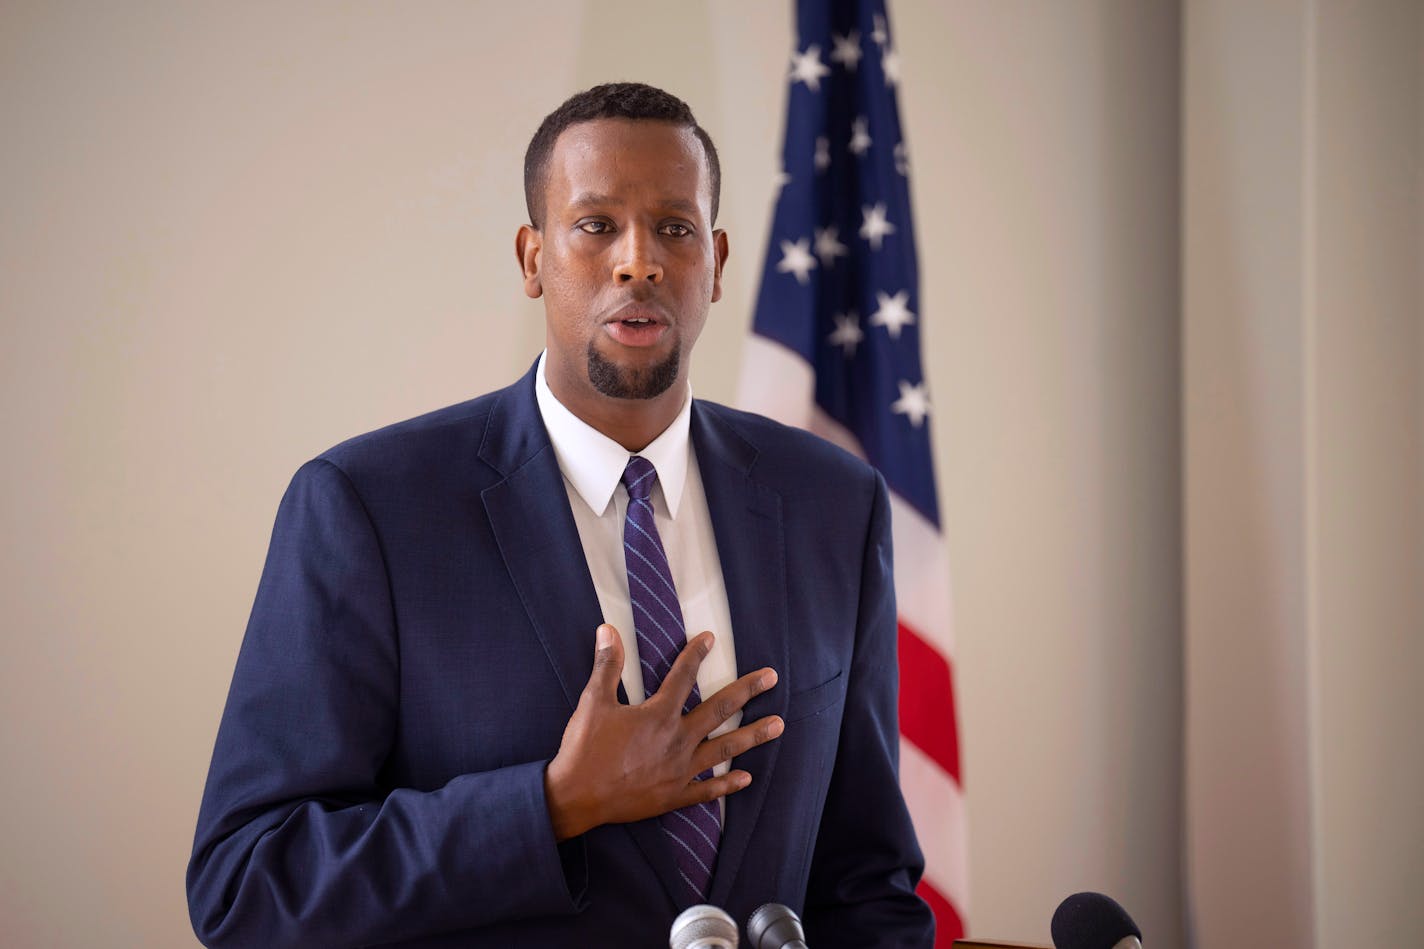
x: 1244, y: 369
x: 1046, y: 190
x: 235, y: 234
x: 1367, y: 631
x: 1303, y: 320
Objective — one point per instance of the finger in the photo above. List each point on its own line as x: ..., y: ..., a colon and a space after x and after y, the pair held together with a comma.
x: 720, y: 748
x: 607, y: 663
x: 682, y: 677
x: 700, y: 792
x: 728, y: 701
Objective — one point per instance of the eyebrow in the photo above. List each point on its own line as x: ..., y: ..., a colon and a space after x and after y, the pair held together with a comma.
x: 589, y: 199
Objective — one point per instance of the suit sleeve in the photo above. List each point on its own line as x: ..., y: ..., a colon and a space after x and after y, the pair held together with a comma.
x: 298, y: 842
x: 867, y: 862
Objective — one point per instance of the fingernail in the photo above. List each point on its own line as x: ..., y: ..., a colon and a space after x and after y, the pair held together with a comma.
x: 605, y: 636
x: 775, y: 728
x: 768, y: 678
x: 743, y: 780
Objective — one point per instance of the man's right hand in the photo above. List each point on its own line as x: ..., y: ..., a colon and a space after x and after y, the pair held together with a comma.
x: 619, y: 763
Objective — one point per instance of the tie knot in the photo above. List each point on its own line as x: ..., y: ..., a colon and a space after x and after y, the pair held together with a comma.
x: 638, y: 478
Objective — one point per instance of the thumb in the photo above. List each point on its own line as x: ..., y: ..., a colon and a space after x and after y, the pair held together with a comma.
x: 607, y: 662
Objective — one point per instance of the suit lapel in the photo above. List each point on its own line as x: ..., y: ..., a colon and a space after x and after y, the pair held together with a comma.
x: 535, y: 530
x: 746, y: 520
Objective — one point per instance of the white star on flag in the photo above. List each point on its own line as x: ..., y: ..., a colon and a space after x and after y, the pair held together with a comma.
x: 807, y: 67
x: 879, y: 34
x: 860, y: 136
x: 875, y: 226
x: 893, y: 314
x: 781, y: 180
x: 890, y: 65
x: 847, y: 51
x: 914, y: 402
x: 828, y: 247
x: 847, y: 333
x: 823, y: 153
x: 796, y: 259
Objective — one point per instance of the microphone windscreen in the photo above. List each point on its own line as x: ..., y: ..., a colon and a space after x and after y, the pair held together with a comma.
x: 1091, y: 921
x: 773, y: 926
x: 703, y: 927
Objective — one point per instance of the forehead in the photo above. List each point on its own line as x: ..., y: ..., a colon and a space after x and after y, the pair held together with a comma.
x: 627, y: 160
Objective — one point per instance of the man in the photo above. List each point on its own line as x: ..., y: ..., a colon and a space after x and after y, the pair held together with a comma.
x: 414, y: 750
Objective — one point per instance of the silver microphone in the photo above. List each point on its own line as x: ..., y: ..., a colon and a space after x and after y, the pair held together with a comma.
x: 703, y: 927
x: 773, y: 926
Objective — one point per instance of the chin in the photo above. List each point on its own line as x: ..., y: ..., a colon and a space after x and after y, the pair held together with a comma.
x: 633, y: 382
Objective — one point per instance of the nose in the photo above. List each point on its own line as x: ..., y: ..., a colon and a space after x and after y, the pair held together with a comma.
x: 638, y: 258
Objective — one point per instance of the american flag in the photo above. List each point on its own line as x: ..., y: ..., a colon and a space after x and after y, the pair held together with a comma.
x: 835, y: 348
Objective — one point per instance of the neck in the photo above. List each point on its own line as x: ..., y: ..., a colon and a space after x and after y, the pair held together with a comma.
x: 633, y: 428
x: 632, y: 423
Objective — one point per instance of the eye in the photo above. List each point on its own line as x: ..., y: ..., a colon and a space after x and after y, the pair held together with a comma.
x: 675, y: 229
x: 595, y: 227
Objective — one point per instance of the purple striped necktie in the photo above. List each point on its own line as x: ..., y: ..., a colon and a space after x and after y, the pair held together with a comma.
x: 693, y: 832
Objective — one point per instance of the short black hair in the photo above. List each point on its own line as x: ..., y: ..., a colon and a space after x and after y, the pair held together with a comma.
x: 612, y: 100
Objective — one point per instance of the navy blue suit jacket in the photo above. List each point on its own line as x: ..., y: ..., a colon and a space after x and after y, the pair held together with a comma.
x: 420, y: 636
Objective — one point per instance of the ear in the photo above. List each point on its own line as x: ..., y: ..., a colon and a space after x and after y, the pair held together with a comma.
x: 527, y: 245
x: 719, y: 253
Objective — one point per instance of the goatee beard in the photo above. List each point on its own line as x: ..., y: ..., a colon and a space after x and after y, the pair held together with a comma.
x: 613, y: 380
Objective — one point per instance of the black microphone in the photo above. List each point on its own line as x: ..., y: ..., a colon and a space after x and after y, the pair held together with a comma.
x: 773, y: 926
x: 1093, y: 921
x: 703, y: 927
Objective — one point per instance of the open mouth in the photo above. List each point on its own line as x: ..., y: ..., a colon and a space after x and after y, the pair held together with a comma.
x: 637, y: 328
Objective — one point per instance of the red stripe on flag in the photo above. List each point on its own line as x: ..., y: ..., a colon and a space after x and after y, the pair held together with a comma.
x: 927, y: 701
x: 948, y: 925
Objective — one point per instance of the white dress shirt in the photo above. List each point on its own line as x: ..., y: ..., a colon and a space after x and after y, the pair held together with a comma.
x: 592, y: 465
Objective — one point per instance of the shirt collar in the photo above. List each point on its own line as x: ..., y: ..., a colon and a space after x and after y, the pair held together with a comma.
x: 593, y: 463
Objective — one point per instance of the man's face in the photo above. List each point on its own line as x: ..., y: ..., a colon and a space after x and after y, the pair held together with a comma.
x: 627, y: 262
